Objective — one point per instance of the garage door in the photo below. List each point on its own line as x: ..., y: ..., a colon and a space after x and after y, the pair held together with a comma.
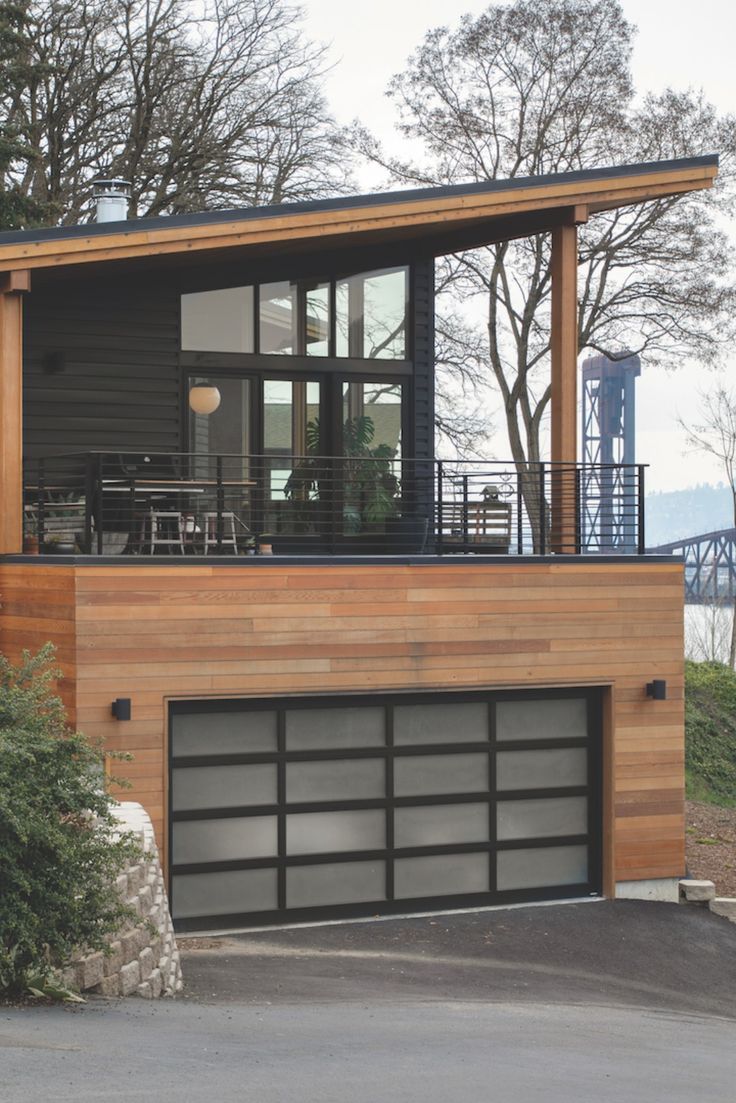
x: 302, y: 808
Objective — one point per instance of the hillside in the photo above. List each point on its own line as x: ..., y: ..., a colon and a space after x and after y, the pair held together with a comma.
x: 710, y: 733
x: 671, y: 515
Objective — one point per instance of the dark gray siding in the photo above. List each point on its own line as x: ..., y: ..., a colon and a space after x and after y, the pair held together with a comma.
x: 423, y: 325
x: 101, y: 368
x: 102, y: 360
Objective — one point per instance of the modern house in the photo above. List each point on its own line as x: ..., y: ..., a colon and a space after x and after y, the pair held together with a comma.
x: 450, y: 683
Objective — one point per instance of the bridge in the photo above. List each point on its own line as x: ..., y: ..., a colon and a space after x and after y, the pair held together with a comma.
x: 710, y: 566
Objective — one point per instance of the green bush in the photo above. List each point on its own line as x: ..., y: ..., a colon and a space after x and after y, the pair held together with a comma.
x: 710, y: 732
x: 59, y: 856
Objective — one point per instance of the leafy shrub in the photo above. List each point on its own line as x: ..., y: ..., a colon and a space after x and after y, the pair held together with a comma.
x: 59, y: 855
x: 710, y: 732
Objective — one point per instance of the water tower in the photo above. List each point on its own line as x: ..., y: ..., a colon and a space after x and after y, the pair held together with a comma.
x: 609, y: 452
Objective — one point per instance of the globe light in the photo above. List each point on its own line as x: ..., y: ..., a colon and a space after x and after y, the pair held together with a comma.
x: 204, y: 399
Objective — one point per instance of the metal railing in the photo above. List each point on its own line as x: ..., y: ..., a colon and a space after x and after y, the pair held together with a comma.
x: 105, y: 503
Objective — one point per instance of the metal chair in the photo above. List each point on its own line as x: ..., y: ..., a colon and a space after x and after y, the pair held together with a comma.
x: 229, y: 535
x: 165, y: 530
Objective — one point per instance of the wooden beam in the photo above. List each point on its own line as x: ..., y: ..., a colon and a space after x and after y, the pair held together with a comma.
x: 11, y: 422
x: 564, y: 352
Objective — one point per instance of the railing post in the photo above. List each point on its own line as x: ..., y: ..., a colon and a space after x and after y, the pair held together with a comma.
x: 641, y: 535
x: 220, y: 531
x: 440, y: 480
x: 542, y: 512
x: 41, y: 502
x: 90, y: 499
x: 98, y: 478
x: 519, y: 515
x: 466, y: 539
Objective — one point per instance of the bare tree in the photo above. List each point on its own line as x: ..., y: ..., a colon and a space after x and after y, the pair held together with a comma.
x: 216, y: 109
x: 543, y: 86
x: 715, y: 434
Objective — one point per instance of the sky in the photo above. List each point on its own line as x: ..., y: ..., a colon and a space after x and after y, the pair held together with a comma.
x: 678, y: 45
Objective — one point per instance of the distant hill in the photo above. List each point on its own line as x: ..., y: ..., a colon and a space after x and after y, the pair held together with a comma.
x: 674, y: 514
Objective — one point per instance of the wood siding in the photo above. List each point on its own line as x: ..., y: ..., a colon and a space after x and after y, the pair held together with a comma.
x: 154, y: 633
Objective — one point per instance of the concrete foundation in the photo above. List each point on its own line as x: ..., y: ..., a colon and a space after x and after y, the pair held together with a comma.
x: 665, y: 889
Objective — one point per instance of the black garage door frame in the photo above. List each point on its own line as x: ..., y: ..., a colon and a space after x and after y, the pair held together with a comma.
x: 389, y: 854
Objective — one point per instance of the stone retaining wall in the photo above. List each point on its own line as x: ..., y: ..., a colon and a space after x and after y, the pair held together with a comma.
x: 143, y: 959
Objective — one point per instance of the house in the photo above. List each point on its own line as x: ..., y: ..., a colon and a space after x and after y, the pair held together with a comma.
x: 451, y: 683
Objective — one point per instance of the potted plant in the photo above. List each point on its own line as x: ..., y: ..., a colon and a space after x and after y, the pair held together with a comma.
x: 362, y: 478
x: 59, y: 543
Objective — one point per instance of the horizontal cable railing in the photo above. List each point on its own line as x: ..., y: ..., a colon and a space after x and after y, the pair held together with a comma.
x: 104, y: 503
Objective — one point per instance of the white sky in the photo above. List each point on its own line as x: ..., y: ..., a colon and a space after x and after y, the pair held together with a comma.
x: 679, y: 44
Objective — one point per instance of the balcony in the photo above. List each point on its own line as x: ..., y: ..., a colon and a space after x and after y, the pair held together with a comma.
x: 187, y: 504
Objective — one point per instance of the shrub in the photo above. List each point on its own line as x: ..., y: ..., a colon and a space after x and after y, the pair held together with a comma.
x: 59, y: 853
x: 710, y: 732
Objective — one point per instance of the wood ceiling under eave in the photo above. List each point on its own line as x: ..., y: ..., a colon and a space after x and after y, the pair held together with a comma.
x: 438, y: 224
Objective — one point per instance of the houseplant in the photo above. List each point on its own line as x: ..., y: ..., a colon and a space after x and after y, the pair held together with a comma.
x: 362, y: 479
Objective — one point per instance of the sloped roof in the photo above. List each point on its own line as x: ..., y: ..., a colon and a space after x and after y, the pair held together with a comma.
x: 445, y: 218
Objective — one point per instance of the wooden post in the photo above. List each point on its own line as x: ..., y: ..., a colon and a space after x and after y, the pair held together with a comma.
x: 12, y: 286
x: 564, y: 349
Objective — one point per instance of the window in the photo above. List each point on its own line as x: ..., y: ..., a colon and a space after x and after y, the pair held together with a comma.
x: 218, y: 321
x: 370, y: 320
x: 361, y: 317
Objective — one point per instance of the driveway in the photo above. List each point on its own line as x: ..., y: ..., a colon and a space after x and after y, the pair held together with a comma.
x: 571, y: 1002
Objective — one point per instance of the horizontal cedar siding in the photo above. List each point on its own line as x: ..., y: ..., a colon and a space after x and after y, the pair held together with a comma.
x: 155, y: 632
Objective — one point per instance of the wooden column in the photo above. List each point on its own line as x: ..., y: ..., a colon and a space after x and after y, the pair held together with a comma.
x: 12, y: 286
x: 564, y: 348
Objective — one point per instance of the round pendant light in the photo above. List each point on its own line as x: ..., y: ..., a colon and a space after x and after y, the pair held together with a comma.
x: 204, y: 399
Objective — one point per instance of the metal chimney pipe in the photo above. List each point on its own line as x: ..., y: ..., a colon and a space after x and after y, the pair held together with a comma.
x: 111, y: 199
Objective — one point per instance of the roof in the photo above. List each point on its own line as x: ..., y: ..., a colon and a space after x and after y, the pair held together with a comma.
x: 449, y: 217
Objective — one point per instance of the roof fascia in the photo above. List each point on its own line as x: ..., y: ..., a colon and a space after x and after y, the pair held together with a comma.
x: 396, y: 214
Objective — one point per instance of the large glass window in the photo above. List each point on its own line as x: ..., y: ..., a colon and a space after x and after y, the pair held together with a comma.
x: 218, y: 321
x: 277, y: 317
x: 296, y: 318
x: 317, y: 329
x: 370, y: 321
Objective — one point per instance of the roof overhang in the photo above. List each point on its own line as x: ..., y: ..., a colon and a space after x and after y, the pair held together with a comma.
x: 435, y: 220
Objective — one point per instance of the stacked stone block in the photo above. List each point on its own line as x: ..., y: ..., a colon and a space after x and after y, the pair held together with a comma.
x: 143, y: 960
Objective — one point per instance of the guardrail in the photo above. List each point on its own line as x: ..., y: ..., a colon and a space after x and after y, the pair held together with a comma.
x: 104, y: 503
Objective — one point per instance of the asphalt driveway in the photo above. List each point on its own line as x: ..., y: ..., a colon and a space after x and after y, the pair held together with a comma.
x: 597, y: 1001
x: 611, y: 953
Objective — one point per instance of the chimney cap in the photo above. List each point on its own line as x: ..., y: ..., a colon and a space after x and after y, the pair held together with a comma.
x: 114, y: 184
x: 111, y: 197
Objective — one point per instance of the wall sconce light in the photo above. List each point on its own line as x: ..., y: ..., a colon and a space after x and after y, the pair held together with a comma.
x: 121, y: 708
x: 204, y: 399
x: 657, y: 689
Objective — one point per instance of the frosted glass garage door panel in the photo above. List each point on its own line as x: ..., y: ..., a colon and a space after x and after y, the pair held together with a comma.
x: 464, y: 722
x: 335, y: 883
x: 352, y: 779
x: 325, y: 729
x: 544, y: 867
x: 534, y: 819
x: 448, y: 875
x: 222, y: 787
x: 423, y: 775
x: 541, y: 769
x: 242, y: 890
x: 332, y: 832
x: 223, y: 733
x: 555, y: 718
x: 441, y: 825
x: 224, y: 840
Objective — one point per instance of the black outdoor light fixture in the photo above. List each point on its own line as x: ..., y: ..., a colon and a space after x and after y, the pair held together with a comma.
x: 121, y: 708
x: 657, y: 689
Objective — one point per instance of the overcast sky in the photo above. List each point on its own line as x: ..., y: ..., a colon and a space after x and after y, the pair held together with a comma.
x: 679, y: 44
